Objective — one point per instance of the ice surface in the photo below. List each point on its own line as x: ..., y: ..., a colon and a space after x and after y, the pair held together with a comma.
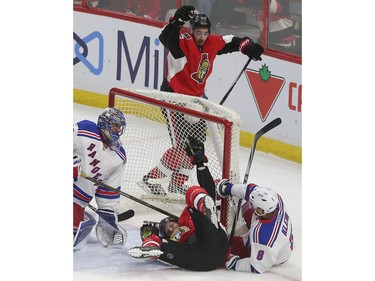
x: 96, y: 263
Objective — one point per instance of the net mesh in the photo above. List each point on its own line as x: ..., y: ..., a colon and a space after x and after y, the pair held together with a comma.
x: 158, y: 170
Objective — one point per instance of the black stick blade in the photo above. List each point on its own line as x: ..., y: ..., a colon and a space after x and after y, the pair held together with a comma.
x: 274, y: 123
x: 125, y: 215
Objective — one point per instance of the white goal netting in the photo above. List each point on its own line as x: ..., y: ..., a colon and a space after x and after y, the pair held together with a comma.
x: 158, y: 170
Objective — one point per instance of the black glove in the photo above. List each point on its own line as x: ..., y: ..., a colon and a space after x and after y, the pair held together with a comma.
x: 184, y: 14
x: 195, y: 151
x: 251, y: 49
x: 147, y: 229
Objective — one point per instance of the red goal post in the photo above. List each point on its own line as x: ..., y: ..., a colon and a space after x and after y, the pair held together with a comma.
x: 146, y: 138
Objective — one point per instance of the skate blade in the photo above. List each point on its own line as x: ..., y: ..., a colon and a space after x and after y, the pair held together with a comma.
x: 140, y: 253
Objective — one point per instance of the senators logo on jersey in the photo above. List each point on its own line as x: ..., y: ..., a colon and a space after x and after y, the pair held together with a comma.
x: 203, y: 68
x: 178, y: 232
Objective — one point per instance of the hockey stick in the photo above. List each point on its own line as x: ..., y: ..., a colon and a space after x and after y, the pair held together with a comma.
x: 235, y: 82
x: 276, y: 122
x: 120, y: 217
x: 129, y: 196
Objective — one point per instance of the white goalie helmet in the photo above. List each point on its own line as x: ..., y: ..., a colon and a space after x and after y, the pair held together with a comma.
x: 265, y: 199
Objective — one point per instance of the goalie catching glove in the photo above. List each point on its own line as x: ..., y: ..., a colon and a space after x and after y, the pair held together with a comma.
x: 195, y: 151
x: 251, y: 49
x: 108, y: 231
x: 182, y: 15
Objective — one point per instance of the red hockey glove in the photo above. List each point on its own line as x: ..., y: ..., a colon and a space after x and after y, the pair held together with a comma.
x: 153, y: 241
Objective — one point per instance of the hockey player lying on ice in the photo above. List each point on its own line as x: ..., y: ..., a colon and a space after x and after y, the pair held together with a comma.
x: 267, y: 241
x: 195, y: 241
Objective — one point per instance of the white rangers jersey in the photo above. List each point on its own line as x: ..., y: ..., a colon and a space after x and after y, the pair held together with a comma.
x: 270, y: 242
x: 98, y: 162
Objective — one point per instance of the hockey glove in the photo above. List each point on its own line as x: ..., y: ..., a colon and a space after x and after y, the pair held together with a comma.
x: 76, y: 167
x: 232, y: 262
x: 151, y: 242
x: 182, y: 15
x: 195, y: 151
x: 221, y: 188
x: 251, y: 49
x: 147, y: 229
x: 108, y: 231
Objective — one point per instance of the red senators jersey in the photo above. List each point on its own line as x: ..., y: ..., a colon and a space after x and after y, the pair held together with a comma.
x: 188, y: 75
x: 188, y: 67
x: 186, y: 220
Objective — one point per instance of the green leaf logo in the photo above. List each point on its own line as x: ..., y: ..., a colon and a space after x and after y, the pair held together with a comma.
x: 264, y: 73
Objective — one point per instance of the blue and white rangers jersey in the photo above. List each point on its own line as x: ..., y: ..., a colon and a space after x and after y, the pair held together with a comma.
x: 98, y: 162
x: 270, y: 242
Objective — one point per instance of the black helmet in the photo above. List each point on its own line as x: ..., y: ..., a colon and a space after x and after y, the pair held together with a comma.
x: 162, y: 225
x: 200, y: 21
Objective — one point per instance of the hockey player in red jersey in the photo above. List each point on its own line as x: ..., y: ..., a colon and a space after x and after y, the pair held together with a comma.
x: 190, y: 62
x: 98, y: 153
x: 268, y: 240
x: 196, y: 240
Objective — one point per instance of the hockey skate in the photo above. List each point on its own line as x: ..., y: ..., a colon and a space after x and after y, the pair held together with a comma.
x: 145, y: 252
x: 210, y: 210
x: 151, y: 188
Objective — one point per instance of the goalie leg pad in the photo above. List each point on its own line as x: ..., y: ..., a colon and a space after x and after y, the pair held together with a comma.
x: 83, y: 232
x: 108, y: 231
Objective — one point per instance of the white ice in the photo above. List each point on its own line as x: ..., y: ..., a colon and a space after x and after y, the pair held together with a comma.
x: 96, y: 263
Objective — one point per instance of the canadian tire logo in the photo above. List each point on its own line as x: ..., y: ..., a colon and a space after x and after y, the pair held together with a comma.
x: 265, y: 87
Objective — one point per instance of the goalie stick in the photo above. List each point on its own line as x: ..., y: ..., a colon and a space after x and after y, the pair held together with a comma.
x: 128, y: 196
x: 235, y: 82
x: 120, y: 217
x: 276, y: 122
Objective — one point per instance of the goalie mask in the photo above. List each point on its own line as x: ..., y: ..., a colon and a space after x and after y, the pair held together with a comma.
x: 111, y: 124
x: 263, y: 200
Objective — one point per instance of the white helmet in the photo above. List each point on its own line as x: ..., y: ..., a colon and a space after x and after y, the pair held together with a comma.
x: 265, y: 199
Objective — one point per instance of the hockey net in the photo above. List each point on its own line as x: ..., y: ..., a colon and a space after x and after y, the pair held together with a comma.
x: 147, y: 138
